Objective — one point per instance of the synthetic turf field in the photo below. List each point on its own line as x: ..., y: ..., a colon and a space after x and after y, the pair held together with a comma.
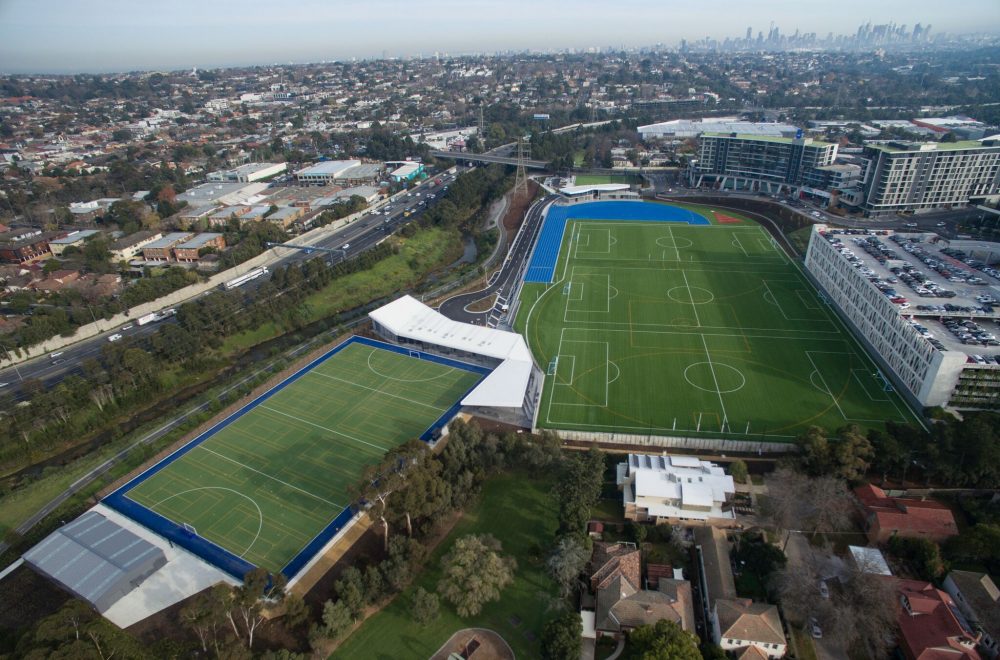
x: 669, y: 328
x: 263, y: 486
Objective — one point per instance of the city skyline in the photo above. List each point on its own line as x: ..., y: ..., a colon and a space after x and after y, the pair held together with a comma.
x: 111, y: 36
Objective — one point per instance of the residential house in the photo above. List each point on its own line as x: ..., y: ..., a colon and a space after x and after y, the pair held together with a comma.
x: 75, y: 238
x: 978, y: 598
x: 741, y: 623
x: 129, y: 246
x: 188, y: 251
x: 675, y: 489
x: 620, y: 602
x: 20, y: 248
x: 196, y: 217
x: 57, y: 280
x: 931, y: 627
x: 163, y: 249
x: 884, y: 517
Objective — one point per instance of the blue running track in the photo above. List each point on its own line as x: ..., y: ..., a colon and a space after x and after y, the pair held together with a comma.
x: 543, y: 259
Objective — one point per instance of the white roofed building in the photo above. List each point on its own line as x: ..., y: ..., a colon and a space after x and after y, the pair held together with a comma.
x: 509, y: 392
x: 598, y: 192
x: 674, y: 489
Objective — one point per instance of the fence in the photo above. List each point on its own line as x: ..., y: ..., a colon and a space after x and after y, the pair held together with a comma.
x: 679, y: 442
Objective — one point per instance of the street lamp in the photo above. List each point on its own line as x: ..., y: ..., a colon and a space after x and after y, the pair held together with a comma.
x: 13, y: 364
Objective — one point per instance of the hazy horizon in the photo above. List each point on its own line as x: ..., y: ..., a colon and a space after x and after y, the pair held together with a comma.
x: 106, y: 36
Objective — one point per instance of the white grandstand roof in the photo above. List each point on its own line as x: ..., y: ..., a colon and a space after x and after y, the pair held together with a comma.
x: 603, y: 187
x: 504, y: 387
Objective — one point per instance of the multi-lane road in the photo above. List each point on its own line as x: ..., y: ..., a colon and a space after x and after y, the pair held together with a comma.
x: 359, y: 235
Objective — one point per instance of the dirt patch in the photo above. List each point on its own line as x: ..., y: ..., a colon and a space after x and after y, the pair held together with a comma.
x: 484, y: 305
x: 28, y: 598
x: 517, y: 207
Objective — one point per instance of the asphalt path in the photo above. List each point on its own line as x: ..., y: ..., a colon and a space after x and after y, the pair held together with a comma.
x: 361, y: 235
x: 505, y: 282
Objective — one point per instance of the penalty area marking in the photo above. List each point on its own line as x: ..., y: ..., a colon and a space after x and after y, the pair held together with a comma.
x: 618, y: 371
x: 396, y: 378
x: 260, y: 514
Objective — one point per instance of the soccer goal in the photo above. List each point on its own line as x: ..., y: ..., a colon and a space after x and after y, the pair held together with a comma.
x: 189, y: 529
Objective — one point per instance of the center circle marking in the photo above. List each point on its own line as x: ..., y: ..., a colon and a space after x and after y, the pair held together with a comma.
x: 730, y: 379
x: 695, y: 295
x: 668, y: 242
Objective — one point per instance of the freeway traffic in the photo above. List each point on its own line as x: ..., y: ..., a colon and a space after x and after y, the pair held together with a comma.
x: 359, y: 235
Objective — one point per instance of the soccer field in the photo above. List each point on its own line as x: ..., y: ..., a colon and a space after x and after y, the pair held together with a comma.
x: 709, y: 330
x: 266, y: 483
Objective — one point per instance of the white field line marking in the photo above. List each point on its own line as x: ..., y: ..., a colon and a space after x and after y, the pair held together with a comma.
x: 739, y: 244
x: 854, y: 373
x: 766, y: 246
x: 260, y: 514
x: 377, y: 391
x: 264, y: 474
x: 799, y: 334
x: 673, y: 240
x: 711, y: 368
x: 774, y: 299
x: 694, y: 307
x: 826, y: 385
x: 306, y: 421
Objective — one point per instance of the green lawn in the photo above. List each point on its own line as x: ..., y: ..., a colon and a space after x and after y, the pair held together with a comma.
x: 520, y: 513
x: 596, y: 179
x: 426, y: 251
x: 266, y: 484
x: 663, y: 327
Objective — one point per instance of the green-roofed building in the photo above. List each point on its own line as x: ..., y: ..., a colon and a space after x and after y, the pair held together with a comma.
x: 759, y: 163
x: 924, y: 176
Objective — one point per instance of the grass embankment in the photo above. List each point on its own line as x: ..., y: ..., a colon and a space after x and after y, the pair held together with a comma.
x: 800, y: 239
x: 426, y: 251
x: 597, y: 179
x: 520, y: 513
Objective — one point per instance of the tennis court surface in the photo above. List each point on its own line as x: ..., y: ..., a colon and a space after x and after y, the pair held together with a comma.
x: 651, y: 323
x: 268, y: 486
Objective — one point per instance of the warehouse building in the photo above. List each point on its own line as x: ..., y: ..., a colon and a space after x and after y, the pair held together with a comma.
x: 693, y: 128
x: 248, y: 173
x: 95, y: 559
x: 339, y: 172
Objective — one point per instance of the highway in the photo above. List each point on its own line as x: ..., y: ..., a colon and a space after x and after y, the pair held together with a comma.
x: 361, y: 235
x: 506, y: 281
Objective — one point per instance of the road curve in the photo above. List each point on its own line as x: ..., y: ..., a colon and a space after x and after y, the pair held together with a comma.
x: 505, y: 281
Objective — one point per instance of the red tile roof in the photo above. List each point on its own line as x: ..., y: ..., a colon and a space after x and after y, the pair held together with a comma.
x: 931, y: 629
x: 906, y: 515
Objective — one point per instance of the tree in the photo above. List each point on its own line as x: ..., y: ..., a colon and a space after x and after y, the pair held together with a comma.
x: 639, y: 532
x: 350, y: 590
x: 474, y: 573
x: 795, y: 501
x: 923, y: 555
x: 247, y: 600
x: 337, y: 619
x: 562, y: 636
x: 738, y: 471
x: 381, y: 480
x: 567, y: 562
x: 578, y: 489
x: 664, y: 640
x: 425, y: 607
x: 205, y: 615
x: 759, y: 557
x: 296, y: 611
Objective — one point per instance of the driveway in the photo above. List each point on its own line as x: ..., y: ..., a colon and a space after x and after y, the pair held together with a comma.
x: 800, y: 553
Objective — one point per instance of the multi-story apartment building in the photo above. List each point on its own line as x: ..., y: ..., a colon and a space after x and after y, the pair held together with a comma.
x: 755, y: 162
x: 918, y: 177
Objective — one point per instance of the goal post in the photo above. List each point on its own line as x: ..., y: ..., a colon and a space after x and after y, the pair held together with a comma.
x: 189, y: 529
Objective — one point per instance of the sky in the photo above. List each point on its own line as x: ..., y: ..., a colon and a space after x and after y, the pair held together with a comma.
x: 69, y: 36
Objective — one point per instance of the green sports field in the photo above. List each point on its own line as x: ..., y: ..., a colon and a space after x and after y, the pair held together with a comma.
x: 595, y: 179
x: 266, y: 484
x: 668, y: 328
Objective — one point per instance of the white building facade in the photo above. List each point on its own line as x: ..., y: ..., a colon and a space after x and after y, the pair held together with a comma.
x: 674, y: 489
